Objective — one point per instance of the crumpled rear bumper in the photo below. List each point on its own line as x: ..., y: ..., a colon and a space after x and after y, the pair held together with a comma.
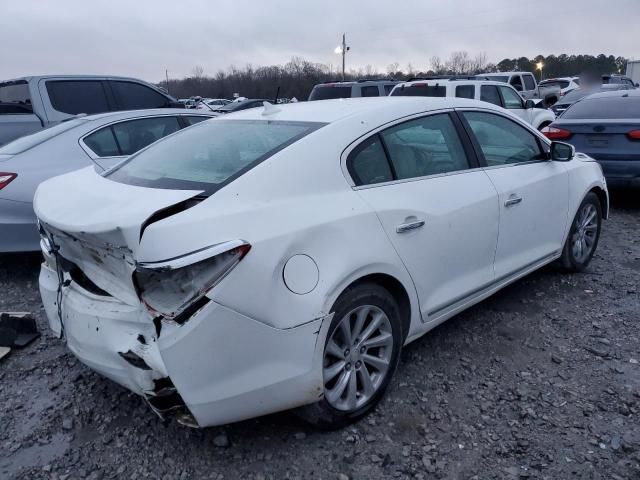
x: 220, y: 365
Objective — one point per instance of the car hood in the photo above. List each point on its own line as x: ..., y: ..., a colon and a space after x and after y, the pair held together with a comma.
x: 97, y: 224
x: 5, y: 157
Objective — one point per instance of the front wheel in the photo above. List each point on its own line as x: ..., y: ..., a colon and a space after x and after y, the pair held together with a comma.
x: 360, y: 356
x: 583, y: 237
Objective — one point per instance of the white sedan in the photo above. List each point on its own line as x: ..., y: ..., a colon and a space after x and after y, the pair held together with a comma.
x: 281, y: 257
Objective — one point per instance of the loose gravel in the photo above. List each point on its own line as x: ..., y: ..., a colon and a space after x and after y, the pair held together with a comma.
x: 541, y: 381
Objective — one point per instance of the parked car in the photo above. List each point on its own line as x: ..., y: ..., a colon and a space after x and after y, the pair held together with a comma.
x: 359, y: 88
x: 525, y: 83
x: 29, y: 104
x: 570, y: 98
x: 565, y: 84
x: 497, y: 93
x: 212, y: 103
x: 237, y: 106
x: 281, y: 257
x: 617, y: 78
x: 606, y: 126
x: 100, y: 140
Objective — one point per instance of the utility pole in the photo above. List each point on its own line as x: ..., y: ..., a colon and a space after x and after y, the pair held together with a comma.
x: 166, y: 74
x: 343, y: 49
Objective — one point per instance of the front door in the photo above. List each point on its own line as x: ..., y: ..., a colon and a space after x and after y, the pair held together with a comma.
x: 440, y: 214
x: 533, y: 191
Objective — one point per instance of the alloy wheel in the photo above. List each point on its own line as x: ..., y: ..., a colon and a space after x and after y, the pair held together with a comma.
x: 585, y: 233
x: 357, y: 357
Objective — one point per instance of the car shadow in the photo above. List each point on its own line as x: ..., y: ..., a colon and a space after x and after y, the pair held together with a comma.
x: 625, y: 198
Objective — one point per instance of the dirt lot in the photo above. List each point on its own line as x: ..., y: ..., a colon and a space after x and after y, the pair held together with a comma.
x: 540, y: 381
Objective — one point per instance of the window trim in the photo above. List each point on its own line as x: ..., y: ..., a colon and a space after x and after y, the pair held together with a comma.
x: 541, y: 140
x: 93, y: 155
x: 472, y: 159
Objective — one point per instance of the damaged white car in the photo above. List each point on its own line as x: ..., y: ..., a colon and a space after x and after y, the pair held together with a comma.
x: 282, y: 256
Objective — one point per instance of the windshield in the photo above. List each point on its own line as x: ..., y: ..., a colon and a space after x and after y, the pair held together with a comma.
x: 209, y: 155
x: 23, y: 144
x: 623, y: 107
x: 420, y: 90
x: 14, y: 97
x: 328, y: 92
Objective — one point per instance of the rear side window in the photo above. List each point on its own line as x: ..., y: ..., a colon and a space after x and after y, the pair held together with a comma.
x: 78, y: 96
x: 623, y: 107
x: 103, y: 143
x: 501, y: 140
x: 327, y: 92
x: 516, y: 82
x: 530, y: 83
x: 368, y: 164
x: 15, y: 97
x: 192, y: 120
x: 126, y: 138
x: 133, y: 96
x: 489, y: 93
x: 465, y: 91
x: 209, y: 155
x: 388, y: 88
x: 370, y: 91
x: 425, y: 146
x: 134, y: 135
x: 420, y: 90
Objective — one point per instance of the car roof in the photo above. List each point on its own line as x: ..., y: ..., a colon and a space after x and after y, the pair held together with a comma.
x: 329, y: 111
x: 149, y: 112
x: 74, y: 76
x: 499, y: 74
x: 357, y: 82
x: 615, y: 94
x: 452, y: 81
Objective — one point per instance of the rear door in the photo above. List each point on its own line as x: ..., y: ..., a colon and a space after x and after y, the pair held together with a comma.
x: 533, y: 192
x: 438, y: 209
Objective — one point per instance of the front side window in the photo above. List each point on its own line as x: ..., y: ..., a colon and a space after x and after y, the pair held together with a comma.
x: 425, y: 146
x: 209, y: 155
x: 511, y: 98
x: 370, y: 91
x: 368, y: 164
x: 78, y: 96
x: 530, y: 83
x: 465, y: 91
x: 501, y: 140
x: 489, y: 93
x: 133, y: 96
x: 388, y: 88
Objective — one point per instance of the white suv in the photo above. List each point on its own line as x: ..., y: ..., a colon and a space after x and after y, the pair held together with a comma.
x: 498, y: 93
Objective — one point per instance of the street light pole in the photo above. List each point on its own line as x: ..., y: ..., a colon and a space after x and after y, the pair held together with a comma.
x: 343, y: 49
x: 166, y: 74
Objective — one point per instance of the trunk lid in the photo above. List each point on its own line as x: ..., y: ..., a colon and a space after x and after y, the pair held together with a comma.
x: 97, y: 224
x: 603, y: 139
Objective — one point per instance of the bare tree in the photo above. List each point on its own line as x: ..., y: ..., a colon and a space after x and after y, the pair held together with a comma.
x: 198, y: 71
x: 392, y: 68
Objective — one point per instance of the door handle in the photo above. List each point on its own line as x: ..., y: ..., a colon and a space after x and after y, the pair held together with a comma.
x: 513, y: 200
x: 405, y: 227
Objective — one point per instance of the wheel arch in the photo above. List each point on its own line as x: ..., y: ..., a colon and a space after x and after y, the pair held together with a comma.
x: 603, y: 198
x: 395, y: 287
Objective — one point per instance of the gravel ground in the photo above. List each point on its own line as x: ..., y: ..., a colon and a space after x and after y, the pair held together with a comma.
x: 540, y: 381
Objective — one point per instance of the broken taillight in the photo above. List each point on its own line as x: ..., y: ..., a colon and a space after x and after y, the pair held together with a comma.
x: 170, y: 288
x: 6, y: 178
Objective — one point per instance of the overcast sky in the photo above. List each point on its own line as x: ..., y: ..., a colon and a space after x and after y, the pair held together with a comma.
x: 142, y: 38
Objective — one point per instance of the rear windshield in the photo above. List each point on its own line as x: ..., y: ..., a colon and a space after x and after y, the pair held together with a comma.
x: 209, y: 155
x: 420, y: 90
x: 23, y: 144
x: 15, y: 98
x: 499, y: 78
x: 555, y: 83
x: 327, y: 92
x: 605, y: 107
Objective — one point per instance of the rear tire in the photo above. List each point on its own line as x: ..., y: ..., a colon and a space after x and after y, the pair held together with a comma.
x: 582, y: 241
x: 361, y: 354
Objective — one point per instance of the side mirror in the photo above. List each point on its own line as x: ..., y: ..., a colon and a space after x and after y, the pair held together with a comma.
x: 562, y: 152
x: 529, y: 104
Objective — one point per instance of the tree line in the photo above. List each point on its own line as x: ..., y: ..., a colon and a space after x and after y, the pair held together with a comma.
x: 297, y: 77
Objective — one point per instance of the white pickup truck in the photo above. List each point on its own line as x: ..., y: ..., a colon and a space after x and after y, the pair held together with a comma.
x: 526, y: 85
x: 29, y: 104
